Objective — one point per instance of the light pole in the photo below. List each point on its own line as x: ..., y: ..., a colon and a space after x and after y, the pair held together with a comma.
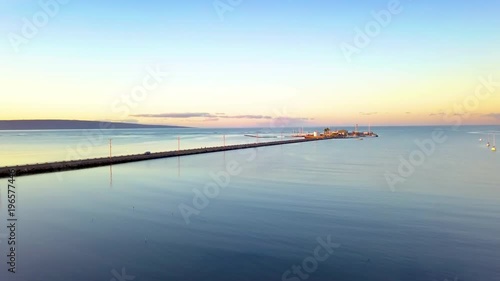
x: 110, y: 147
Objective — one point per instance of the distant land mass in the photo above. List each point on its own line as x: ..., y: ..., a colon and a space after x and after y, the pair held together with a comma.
x: 72, y: 125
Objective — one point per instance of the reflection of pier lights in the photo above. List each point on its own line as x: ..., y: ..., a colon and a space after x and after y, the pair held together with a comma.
x: 178, y: 166
x: 110, y: 176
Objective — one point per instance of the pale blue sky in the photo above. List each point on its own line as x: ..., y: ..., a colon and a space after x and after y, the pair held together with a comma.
x: 92, y: 51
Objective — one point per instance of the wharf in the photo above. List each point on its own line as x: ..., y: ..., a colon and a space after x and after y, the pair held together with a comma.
x: 52, y: 167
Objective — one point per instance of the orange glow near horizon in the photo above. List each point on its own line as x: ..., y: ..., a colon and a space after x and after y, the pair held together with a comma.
x: 351, y: 95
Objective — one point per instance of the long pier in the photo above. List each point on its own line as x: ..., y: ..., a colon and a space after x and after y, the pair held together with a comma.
x: 52, y: 167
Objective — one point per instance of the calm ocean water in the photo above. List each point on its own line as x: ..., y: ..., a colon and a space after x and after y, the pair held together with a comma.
x: 268, y: 210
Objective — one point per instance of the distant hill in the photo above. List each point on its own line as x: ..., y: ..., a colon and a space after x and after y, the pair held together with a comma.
x: 71, y: 124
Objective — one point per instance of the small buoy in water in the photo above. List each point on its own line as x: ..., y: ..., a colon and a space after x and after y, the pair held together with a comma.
x: 493, y: 149
x: 480, y: 139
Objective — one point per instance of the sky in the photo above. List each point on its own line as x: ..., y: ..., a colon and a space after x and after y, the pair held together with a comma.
x: 239, y: 63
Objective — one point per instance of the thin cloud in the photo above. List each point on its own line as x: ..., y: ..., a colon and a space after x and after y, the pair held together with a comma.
x: 292, y: 119
x: 437, y: 114
x: 493, y: 115
x: 121, y: 120
x: 215, y: 117
x: 175, y: 115
x: 246, y: 117
x: 368, y: 113
x: 211, y: 119
x: 206, y: 115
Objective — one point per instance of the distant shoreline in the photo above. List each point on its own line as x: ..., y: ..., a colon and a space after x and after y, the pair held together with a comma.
x: 31, y: 125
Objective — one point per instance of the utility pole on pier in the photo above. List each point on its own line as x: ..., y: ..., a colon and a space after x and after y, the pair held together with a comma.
x: 178, y: 143
x: 224, y: 137
x: 110, y: 147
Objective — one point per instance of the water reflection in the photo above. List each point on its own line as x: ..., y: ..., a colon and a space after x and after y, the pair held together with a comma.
x: 111, y: 176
